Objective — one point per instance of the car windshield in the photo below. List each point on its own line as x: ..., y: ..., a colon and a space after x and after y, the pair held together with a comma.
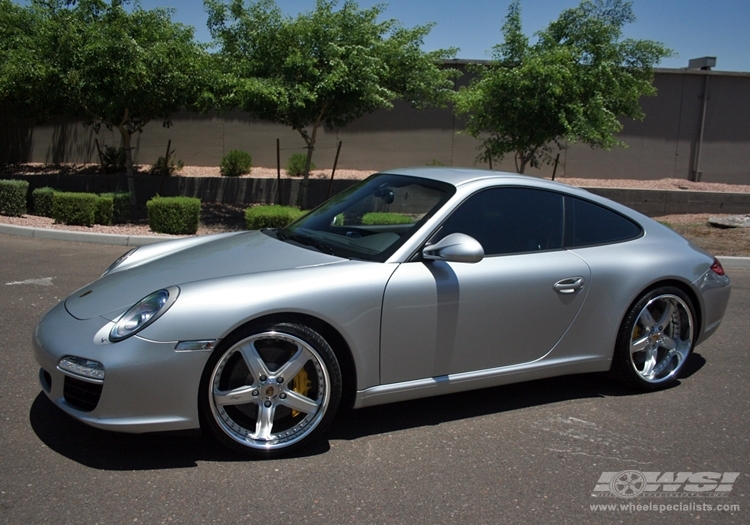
x: 371, y: 219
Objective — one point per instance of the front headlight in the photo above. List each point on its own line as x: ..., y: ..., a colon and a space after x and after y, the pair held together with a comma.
x: 143, y: 313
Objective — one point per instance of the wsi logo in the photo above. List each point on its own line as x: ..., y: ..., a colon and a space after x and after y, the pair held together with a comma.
x: 632, y: 483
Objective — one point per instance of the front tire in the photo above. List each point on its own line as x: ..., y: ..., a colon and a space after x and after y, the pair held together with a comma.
x: 655, y: 339
x: 270, y: 389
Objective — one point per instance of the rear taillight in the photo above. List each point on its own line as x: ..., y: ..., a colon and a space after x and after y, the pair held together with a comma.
x: 717, y: 268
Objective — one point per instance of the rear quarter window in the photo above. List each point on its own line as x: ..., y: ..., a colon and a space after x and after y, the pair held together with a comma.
x: 588, y: 224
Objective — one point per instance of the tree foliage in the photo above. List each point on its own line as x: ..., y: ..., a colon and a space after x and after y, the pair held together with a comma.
x: 572, y: 84
x: 111, y: 66
x: 325, y: 67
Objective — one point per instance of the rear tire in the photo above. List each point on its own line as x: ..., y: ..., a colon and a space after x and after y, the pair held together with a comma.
x: 269, y: 390
x: 655, y: 340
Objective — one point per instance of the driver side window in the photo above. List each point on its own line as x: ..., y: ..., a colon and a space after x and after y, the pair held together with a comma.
x: 510, y: 220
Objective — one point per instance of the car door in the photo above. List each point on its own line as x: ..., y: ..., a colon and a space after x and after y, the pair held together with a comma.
x: 512, y: 307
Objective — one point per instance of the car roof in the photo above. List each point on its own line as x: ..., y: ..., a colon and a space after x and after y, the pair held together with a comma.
x: 455, y: 176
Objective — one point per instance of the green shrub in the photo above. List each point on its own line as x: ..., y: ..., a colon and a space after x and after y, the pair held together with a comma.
x: 295, y: 166
x: 164, y: 168
x: 113, y: 159
x: 375, y: 217
x: 271, y: 216
x: 74, y: 208
x: 236, y: 163
x: 42, y: 201
x: 174, y: 215
x: 104, y: 207
x: 120, y: 206
x: 13, y: 197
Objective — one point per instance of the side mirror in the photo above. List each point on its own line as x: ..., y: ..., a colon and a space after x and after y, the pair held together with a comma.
x: 456, y: 247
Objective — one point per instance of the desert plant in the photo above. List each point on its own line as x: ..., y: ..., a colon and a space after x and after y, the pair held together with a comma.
x: 236, y: 163
x: 74, y: 208
x: 113, y: 159
x: 271, y: 216
x: 164, y: 168
x: 13, y: 197
x: 174, y: 215
x: 295, y: 166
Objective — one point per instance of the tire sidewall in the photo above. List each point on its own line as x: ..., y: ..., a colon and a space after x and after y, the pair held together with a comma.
x: 211, y: 427
x: 622, y: 365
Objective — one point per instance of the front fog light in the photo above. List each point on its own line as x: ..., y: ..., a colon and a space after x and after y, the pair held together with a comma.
x: 82, y: 367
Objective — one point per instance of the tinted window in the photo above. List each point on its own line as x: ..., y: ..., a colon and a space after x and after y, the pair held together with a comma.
x: 587, y: 224
x: 509, y: 220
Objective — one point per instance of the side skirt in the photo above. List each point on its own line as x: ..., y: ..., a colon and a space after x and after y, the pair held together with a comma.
x: 449, y: 384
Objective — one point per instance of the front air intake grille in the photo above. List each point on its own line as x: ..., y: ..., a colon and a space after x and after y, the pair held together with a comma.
x: 82, y: 394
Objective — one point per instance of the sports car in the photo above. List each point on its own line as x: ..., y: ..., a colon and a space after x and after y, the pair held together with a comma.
x: 412, y: 283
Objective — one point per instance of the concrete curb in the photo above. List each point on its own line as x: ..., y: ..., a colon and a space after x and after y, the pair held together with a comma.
x: 93, y: 238
x: 140, y: 240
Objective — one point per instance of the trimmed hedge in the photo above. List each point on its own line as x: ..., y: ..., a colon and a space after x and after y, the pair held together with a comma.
x: 271, y: 216
x: 377, y: 217
x: 103, y: 213
x: 42, y: 201
x: 74, y: 208
x: 13, y: 197
x: 236, y: 163
x: 174, y: 215
x: 120, y: 206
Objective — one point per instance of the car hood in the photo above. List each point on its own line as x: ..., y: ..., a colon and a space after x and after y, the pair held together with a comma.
x: 223, y: 256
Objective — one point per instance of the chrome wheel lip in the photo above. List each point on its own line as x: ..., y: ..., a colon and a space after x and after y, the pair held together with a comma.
x: 273, y: 394
x: 658, y: 336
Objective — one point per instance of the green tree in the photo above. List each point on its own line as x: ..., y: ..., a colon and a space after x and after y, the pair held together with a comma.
x: 326, y: 67
x: 572, y: 85
x: 111, y: 66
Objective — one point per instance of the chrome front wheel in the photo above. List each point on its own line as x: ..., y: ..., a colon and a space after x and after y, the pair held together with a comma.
x: 271, y: 391
x: 656, y: 338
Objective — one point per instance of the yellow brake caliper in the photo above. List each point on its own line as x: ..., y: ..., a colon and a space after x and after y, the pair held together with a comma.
x: 301, y: 385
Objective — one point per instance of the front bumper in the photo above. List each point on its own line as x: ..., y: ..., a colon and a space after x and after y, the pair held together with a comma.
x: 147, y: 386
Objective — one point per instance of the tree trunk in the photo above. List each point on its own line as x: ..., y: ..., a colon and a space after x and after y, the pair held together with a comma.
x: 129, y: 172
x: 310, y: 141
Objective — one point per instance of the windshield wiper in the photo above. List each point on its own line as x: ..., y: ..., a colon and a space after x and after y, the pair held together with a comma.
x: 307, y: 241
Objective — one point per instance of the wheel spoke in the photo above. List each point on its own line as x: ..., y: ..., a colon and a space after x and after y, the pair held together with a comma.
x: 254, y: 361
x: 264, y: 425
x: 649, y: 363
x: 639, y: 345
x: 646, y: 319
x: 238, y: 396
x: 668, y: 343
x: 292, y: 367
x: 666, y: 317
x: 299, y: 402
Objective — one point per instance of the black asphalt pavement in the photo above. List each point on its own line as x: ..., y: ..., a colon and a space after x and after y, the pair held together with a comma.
x: 537, y: 452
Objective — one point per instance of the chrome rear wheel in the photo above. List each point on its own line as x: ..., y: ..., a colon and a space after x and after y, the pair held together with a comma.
x: 656, y: 338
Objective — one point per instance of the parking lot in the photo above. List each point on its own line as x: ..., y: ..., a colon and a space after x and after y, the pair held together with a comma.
x: 537, y: 452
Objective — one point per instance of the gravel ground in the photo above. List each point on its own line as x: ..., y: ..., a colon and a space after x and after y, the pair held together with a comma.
x: 217, y: 218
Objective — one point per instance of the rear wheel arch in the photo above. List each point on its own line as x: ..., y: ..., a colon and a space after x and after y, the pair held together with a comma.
x: 657, y: 334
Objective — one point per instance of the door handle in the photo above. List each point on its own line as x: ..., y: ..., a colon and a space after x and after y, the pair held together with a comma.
x: 569, y: 285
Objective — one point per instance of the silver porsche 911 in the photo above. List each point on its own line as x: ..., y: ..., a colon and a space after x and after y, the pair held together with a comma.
x: 412, y: 283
